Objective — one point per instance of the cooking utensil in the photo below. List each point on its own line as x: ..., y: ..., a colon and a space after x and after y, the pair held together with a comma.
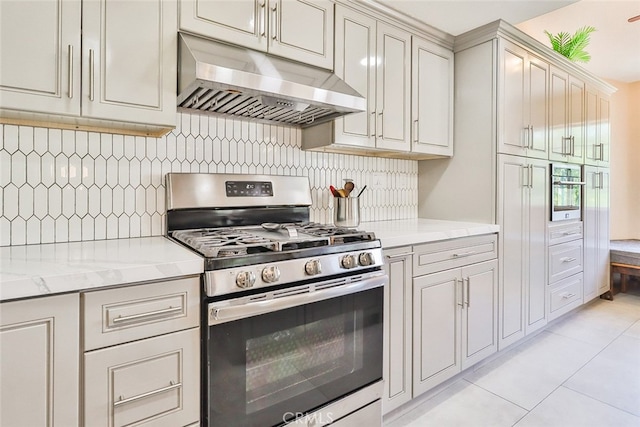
x: 363, y: 188
x: 342, y: 193
x: 348, y: 187
x: 334, y: 191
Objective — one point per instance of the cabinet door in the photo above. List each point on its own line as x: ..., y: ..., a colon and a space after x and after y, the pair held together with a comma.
x: 538, y: 218
x: 592, y: 149
x: 355, y: 63
x: 393, y: 88
x: 537, y: 106
x: 437, y: 301
x: 397, y: 329
x: 590, y: 218
x: 129, y: 63
x: 241, y: 22
x: 576, y: 122
x: 513, y: 217
x: 602, y: 256
x: 480, y: 313
x: 40, y: 56
x: 604, y: 130
x: 512, y: 121
x: 432, y: 98
x: 153, y: 379
x: 39, y: 366
x: 560, y: 138
x: 302, y: 30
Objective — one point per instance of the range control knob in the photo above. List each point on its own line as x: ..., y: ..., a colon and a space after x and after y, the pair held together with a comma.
x: 313, y: 267
x: 270, y: 274
x: 366, y: 258
x: 348, y: 261
x: 245, y: 279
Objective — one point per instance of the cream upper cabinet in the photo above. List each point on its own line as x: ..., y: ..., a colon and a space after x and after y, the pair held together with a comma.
x: 40, y: 56
x: 129, y: 61
x: 567, y: 117
x: 39, y: 362
x: 393, y: 85
x: 91, y: 63
x: 295, y: 29
x: 596, y: 152
x: 431, y: 98
x: 523, y: 102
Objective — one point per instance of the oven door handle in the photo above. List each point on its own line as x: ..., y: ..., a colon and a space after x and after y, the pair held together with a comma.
x: 569, y: 183
x: 220, y: 314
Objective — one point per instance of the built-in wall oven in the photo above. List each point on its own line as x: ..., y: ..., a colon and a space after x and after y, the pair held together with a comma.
x: 566, y: 191
x: 292, y: 310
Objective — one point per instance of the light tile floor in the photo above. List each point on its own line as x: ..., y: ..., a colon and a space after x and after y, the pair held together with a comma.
x: 583, y: 371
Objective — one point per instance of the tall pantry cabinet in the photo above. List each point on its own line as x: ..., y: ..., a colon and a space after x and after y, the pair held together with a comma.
x: 518, y: 107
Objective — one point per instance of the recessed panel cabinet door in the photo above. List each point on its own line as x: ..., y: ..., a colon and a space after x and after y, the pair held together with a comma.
x: 393, y: 88
x: 129, y: 61
x: 602, y: 257
x: 242, y: 22
x: 538, y: 93
x: 39, y: 366
x: 538, y: 216
x: 513, y: 120
x: 302, y: 30
x: 40, y: 56
x: 560, y: 146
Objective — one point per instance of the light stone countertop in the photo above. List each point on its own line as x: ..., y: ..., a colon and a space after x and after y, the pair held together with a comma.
x: 47, y: 269
x: 414, y: 231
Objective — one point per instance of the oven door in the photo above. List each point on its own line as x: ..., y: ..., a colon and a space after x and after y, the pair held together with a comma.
x: 276, y: 356
x: 566, y: 192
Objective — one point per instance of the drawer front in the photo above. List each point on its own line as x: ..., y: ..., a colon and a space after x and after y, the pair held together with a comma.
x: 565, y: 296
x: 434, y: 257
x: 561, y: 233
x: 115, y: 316
x: 154, y: 380
x: 565, y: 260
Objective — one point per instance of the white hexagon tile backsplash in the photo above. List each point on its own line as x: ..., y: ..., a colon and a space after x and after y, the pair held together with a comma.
x: 63, y: 185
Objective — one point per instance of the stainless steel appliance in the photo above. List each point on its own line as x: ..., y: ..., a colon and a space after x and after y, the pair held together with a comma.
x: 292, y: 310
x: 566, y: 191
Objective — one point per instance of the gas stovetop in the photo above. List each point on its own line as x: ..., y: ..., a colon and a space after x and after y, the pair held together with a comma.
x: 237, y: 246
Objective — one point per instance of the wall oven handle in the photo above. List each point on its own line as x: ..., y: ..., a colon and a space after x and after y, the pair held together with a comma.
x: 220, y: 313
x: 569, y: 183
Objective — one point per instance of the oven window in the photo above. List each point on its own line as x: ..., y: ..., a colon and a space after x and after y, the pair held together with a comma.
x: 265, y: 369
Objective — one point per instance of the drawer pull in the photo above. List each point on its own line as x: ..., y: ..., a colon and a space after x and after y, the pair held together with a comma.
x: 123, y: 401
x: 568, y: 259
x: 569, y: 233
x: 463, y: 254
x: 121, y: 319
x: 568, y: 295
x: 403, y: 255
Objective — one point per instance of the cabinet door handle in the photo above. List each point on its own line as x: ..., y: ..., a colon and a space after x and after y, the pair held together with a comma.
x: 601, y: 154
x: 463, y: 254
x: 525, y: 170
x: 468, y: 279
x: 530, y: 175
x: 274, y: 21
x: 91, y: 74
x: 402, y: 255
x: 70, y: 58
x: 170, y: 310
x: 263, y: 19
x: 568, y: 259
x: 461, y: 282
x: 601, y: 180
x: 531, y: 138
x: 415, y: 131
x: 373, y: 121
x: 573, y: 145
x: 380, y: 116
x: 123, y: 401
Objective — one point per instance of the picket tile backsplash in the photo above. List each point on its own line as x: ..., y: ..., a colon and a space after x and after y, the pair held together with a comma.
x: 63, y: 185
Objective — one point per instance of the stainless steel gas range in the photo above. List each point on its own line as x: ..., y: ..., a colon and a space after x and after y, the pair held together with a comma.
x: 292, y: 310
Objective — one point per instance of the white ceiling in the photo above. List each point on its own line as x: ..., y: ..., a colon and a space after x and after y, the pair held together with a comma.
x: 614, y: 47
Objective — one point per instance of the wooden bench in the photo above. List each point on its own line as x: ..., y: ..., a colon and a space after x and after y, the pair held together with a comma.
x: 625, y: 261
x: 624, y: 270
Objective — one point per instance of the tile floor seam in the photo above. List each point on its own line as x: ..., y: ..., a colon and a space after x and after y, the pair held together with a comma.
x: 497, y: 395
x: 598, y: 400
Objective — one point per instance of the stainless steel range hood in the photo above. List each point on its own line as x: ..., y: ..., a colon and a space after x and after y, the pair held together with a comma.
x: 219, y: 78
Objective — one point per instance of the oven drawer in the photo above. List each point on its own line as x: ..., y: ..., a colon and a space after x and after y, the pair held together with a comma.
x: 433, y: 257
x: 565, y: 296
x: 155, y: 380
x: 561, y: 233
x: 115, y: 316
x: 565, y: 260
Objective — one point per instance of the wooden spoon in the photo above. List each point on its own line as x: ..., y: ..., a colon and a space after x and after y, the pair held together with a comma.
x: 348, y: 187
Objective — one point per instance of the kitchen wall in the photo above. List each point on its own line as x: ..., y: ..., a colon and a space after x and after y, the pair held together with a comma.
x: 625, y: 159
x: 62, y: 185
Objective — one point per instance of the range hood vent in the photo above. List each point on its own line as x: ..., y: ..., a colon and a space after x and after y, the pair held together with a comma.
x: 218, y: 78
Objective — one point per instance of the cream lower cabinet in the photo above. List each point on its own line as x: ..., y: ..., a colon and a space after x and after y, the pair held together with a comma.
x: 454, y: 322
x: 523, y: 213
x: 397, y: 329
x: 142, y: 355
x: 39, y: 362
x: 596, y: 232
